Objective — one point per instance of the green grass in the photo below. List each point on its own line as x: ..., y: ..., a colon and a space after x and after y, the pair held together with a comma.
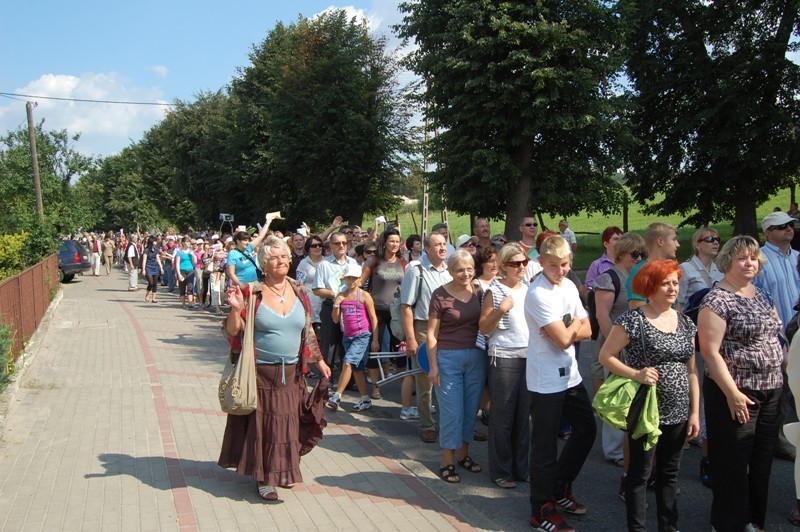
x: 588, y: 227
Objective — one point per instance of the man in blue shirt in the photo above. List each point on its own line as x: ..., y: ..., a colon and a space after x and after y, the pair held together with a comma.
x: 327, y: 285
x: 779, y: 278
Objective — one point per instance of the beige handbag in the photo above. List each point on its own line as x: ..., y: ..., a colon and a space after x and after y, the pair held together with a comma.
x: 237, y: 387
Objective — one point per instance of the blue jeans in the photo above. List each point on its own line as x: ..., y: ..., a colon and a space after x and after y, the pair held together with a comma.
x: 462, y: 375
x: 357, y: 350
x: 169, y: 276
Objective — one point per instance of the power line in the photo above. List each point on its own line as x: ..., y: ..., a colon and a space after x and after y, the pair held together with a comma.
x: 115, y: 102
x: 12, y: 97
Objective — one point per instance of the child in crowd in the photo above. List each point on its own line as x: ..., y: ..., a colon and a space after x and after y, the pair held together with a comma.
x: 355, y: 310
x: 556, y: 319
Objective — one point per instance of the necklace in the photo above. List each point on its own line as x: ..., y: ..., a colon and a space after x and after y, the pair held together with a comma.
x: 280, y: 295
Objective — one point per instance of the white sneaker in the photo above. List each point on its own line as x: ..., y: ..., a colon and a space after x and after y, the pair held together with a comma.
x: 333, y: 401
x: 361, y: 405
x: 409, y: 412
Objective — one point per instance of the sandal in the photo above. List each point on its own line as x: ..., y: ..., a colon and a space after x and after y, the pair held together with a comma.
x: 505, y: 484
x: 268, y: 493
x: 469, y: 464
x: 448, y: 474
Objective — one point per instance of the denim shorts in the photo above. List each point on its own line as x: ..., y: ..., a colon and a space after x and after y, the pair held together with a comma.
x: 357, y: 350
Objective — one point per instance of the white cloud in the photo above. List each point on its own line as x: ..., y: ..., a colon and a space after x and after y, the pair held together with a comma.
x: 160, y: 70
x: 353, y: 12
x: 105, y: 127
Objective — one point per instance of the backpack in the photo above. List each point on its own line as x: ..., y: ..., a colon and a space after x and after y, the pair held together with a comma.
x: 593, y: 305
x: 396, y: 323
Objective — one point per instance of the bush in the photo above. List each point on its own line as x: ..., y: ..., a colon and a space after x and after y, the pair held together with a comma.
x: 12, y: 254
x: 6, y: 342
x: 23, y: 250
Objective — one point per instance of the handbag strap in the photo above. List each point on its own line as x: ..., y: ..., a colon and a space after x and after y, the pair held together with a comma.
x: 640, y: 315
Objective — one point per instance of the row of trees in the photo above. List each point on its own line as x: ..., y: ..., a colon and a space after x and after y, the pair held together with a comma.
x: 547, y: 106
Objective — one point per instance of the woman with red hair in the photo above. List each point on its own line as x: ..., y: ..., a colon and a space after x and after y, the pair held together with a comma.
x: 659, y: 351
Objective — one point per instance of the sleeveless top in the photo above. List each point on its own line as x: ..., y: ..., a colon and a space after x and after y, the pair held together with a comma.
x: 354, y: 316
x: 386, y: 278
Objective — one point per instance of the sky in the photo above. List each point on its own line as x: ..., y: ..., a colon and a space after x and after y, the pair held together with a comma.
x: 144, y: 52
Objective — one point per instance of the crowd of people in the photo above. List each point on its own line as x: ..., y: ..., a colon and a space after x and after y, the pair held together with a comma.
x: 499, y: 324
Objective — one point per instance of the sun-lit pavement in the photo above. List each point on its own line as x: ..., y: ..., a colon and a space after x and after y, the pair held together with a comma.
x: 116, y: 426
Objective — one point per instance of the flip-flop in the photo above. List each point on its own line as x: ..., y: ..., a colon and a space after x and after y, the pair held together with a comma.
x: 268, y: 493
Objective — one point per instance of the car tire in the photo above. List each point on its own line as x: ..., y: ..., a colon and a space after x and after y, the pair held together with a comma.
x: 67, y: 278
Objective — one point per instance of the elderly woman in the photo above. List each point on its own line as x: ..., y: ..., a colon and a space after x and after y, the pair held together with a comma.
x: 738, y: 331
x: 503, y: 319
x: 266, y: 443
x: 659, y: 344
x: 307, y: 272
x: 457, y: 367
x: 611, y: 301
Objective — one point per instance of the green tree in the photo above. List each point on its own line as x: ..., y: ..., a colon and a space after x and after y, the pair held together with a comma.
x: 717, y: 106
x: 521, y: 96
x: 325, y: 127
x: 59, y: 165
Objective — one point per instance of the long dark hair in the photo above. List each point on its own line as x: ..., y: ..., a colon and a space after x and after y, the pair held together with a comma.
x: 381, y: 254
x: 151, y: 243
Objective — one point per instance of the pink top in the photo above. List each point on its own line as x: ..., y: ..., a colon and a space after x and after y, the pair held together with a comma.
x: 354, y: 316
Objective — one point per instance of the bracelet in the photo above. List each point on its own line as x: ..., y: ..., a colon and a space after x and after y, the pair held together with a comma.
x: 336, y: 306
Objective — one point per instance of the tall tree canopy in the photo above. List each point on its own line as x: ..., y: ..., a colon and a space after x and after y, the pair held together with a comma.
x: 717, y: 116
x: 520, y: 94
x: 324, y: 125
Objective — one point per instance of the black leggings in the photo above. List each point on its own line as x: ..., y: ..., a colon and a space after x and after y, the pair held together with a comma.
x: 152, y: 282
x: 185, y: 287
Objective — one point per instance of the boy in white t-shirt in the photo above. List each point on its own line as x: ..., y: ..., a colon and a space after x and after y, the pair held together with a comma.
x: 556, y: 319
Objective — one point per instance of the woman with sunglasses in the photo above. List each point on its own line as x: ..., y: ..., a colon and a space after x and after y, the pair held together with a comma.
x: 384, y: 272
x: 611, y: 302
x: 306, y: 273
x: 701, y: 272
x: 503, y: 319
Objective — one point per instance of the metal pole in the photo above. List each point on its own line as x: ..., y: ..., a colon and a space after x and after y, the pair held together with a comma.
x: 35, y: 162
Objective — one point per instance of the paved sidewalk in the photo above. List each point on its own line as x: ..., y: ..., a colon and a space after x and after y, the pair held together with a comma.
x: 116, y: 426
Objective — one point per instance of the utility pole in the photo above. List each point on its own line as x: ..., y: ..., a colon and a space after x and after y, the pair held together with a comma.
x: 35, y: 161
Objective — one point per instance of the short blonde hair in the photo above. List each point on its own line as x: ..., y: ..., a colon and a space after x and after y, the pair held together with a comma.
x: 459, y: 256
x: 555, y: 246
x: 736, y: 245
x: 701, y: 234
x: 271, y: 242
x: 628, y: 243
x: 505, y: 254
x: 657, y: 230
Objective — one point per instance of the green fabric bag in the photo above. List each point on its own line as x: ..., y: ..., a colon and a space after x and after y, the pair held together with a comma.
x: 626, y: 404
x: 613, y: 403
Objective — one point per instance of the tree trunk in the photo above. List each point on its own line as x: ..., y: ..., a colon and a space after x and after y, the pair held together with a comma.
x: 355, y: 216
x: 519, y: 204
x: 744, y: 216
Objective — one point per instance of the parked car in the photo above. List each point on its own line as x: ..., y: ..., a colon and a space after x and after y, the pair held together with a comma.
x: 72, y: 259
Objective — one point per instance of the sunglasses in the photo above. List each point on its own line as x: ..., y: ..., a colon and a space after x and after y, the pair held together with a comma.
x: 469, y: 244
x: 370, y: 252
x: 499, y: 241
x: 315, y: 246
x: 638, y: 255
x: 710, y: 239
x: 781, y: 227
x: 531, y: 224
x: 338, y: 243
x: 517, y: 263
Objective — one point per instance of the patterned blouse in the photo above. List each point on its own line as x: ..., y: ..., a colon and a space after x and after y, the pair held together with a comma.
x: 668, y: 353
x: 750, y: 348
